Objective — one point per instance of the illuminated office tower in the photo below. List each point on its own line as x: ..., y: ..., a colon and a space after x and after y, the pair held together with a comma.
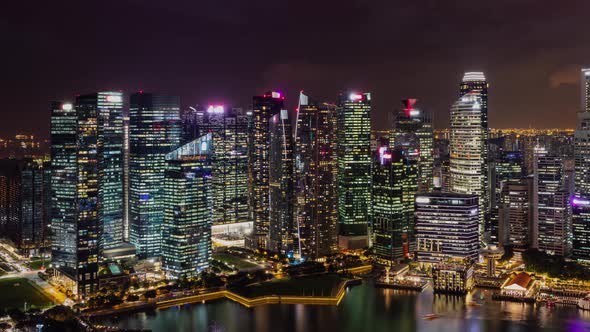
x: 75, y: 188
x: 191, y: 121
x: 10, y: 196
x: 264, y: 108
x: 509, y: 166
x: 581, y: 201
x: 64, y: 178
x: 188, y: 206
x: 412, y: 132
x: 31, y: 231
x: 395, y: 182
x: 585, y: 90
x: 550, y: 232
x: 281, y: 191
x: 515, y: 225
x: 354, y: 169
x: 446, y: 226
x: 476, y: 81
x: 126, y: 178
x: 316, y: 216
x: 154, y: 131
x: 468, y: 166
x: 108, y: 107
x: 229, y: 127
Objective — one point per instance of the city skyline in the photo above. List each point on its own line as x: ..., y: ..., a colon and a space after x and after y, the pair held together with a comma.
x: 546, y: 85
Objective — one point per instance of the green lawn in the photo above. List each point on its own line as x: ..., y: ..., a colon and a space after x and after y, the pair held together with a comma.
x: 15, y: 291
x: 238, y: 262
x: 321, y: 285
x: 36, y: 264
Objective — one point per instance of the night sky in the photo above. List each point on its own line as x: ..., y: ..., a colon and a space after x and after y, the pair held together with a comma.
x: 228, y: 50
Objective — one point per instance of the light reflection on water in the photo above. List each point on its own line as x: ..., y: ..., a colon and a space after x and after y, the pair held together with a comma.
x: 365, y: 308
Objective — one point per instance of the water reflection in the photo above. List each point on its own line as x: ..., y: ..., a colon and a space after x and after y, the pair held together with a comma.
x: 365, y: 308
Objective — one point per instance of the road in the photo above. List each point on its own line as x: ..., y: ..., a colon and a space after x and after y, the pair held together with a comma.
x: 20, y: 270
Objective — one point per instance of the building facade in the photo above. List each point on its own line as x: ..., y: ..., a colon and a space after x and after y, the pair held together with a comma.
x: 551, y: 203
x: 354, y: 169
x: 412, y: 132
x: 154, y: 131
x: 264, y: 108
x: 229, y: 127
x: 109, y: 144
x: 75, y: 188
x: 281, y: 184
x: 395, y: 183
x: 188, y: 209
x: 580, y: 210
x: 468, y: 151
x: 316, y: 216
x: 447, y: 226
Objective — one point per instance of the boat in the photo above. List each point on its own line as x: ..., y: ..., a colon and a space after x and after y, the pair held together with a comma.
x: 431, y: 316
x: 473, y: 304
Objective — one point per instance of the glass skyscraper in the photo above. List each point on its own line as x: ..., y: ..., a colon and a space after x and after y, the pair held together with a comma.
x: 395, y: 182
x: 552, y: 219
x: 508, y: 167
x: 229, y: 127
x: 188, y: 209
x: 468, y: 166
x: 447, y: 226
x: 108, y: 107
x: 280, y: 181
x: 64, y: 179
x: 154, y: 131
x: 264, y: 108
x: 316, y: 217
x: 412, y: 132
x: 580, y: 203
x: 75, y: 188
x: 354, y: 168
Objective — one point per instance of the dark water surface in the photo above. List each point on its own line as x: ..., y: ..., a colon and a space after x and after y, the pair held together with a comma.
x: 365, y: 308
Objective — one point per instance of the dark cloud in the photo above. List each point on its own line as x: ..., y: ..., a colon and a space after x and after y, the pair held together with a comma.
x: 231, y: 49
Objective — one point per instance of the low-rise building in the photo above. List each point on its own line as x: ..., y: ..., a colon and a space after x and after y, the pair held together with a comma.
x: 454, y: 278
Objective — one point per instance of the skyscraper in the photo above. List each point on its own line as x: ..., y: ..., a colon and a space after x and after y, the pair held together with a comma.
x: 580, y: 203
x: 64, y: 179
x: 154, y: 131
x: 229, y: 127
x: 412, y: 132
x: 447, y: 226
x: 188, y: 206
x: 508, y: 167
x: 552, y: 219
x: 75, y: 188
x: 264, y: 108
x: 281, y: 191
x: 515, y: 225
x: 585, y: 90
x: 354, y: 169
x: 31, y: 232
x: 468, y: 164
x: 316, y: 216
x: 395, y: 182
x: 108, y: 107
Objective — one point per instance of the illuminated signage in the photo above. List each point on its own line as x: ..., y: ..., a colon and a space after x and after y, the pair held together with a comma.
x: 414, y: 112
x: 422, y: 200
x: 276, y: 94
x: 66, y: 107
x: 215, y: 109
x: 580, y: 201
x: 114, y: 99
x: 355, y: 96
